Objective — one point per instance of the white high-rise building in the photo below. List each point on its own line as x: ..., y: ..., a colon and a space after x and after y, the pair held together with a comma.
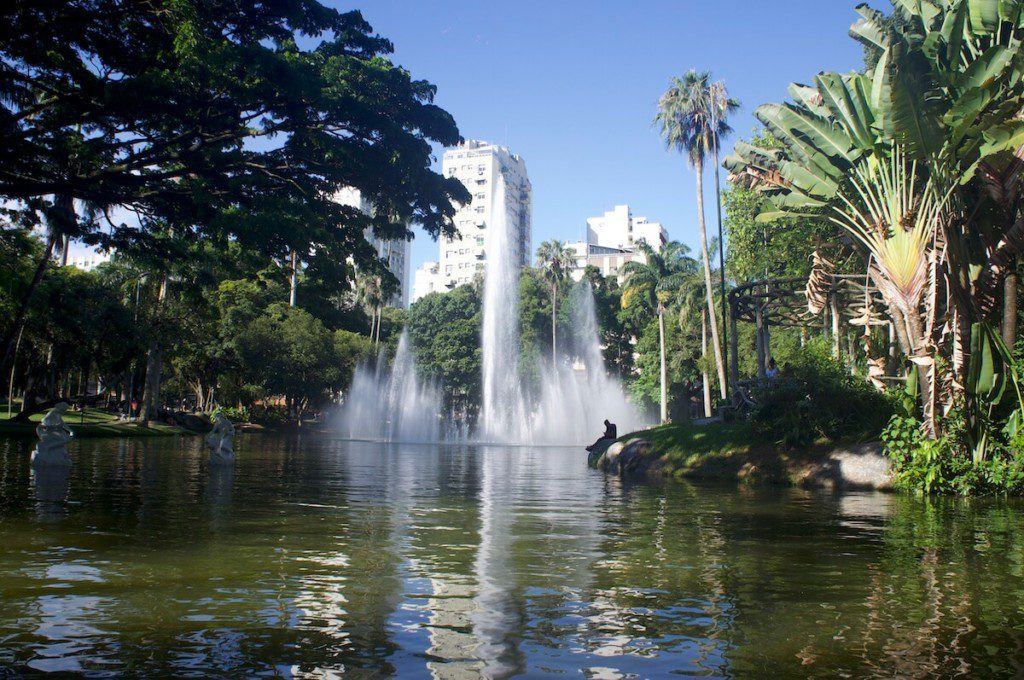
x: 425, y: 281
x: 612, y: 241
x: 396, y: 254
x: 483, y: 167
x: 618, y: 228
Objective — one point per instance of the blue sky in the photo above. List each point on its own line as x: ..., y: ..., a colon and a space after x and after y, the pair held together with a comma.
x: 572, y: 86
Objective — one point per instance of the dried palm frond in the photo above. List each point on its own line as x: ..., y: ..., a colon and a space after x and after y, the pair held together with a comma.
x: 819, y: 283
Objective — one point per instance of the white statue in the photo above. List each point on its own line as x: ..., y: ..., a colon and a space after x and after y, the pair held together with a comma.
x: 54, y: 435
x: 220, y: 440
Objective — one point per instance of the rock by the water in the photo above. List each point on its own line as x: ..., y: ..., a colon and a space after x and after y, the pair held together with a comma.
x: 627, y: 458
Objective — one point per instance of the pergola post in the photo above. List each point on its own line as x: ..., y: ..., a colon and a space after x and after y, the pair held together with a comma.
x: 759, y: 339
x: 833, y: 305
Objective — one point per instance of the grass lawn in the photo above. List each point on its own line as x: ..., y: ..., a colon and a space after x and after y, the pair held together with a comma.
x: 89, y: 423
x: 723, y: 451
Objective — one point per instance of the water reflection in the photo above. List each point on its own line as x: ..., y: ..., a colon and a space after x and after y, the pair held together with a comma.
x: 317, y: 558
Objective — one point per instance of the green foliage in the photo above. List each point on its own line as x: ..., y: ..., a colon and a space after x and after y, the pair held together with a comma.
x: 757, y: 248
x: 946, y: 465
x: 445, y: 331
x: 816, y: 397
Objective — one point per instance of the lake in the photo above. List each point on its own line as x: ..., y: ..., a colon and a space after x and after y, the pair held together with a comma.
x: 318, y: 557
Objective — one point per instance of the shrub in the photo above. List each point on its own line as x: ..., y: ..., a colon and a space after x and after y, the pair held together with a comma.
x: 816, y: 397
x: 945, y: 465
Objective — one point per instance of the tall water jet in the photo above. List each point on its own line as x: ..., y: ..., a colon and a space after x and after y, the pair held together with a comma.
x: 503, y: 416
x: 578, y: 394
x: 391, y: 403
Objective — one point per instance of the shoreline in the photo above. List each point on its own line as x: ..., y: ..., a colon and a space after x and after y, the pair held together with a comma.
x: 730, y: 453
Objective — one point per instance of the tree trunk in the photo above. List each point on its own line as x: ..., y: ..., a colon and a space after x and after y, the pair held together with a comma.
x: 554, y: 326
x: 704, y: 371
x: 721, y: 264
x: 10, y: 383
x: 154, y: 365
x: 293, y: 293
x: 664, y: 371
x: 1010, y: 307
x: 708, y: 286
x: 14, y: 331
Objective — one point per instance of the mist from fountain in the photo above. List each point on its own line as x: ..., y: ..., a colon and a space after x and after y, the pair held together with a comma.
x: 391, y: 402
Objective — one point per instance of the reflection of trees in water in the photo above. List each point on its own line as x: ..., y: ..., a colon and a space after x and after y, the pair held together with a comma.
x: 947, y: 590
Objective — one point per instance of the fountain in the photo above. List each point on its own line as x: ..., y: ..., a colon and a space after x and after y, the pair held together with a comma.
x: 393, y: 403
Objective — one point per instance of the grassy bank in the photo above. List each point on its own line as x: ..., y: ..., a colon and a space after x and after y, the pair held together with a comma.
x: 91, y: 423
x: 727, y: 452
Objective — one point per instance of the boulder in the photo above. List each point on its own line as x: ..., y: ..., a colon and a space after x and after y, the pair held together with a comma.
x: 627, y: 458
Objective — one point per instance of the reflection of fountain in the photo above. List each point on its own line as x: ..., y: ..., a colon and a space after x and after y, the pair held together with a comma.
x: 391, y: 403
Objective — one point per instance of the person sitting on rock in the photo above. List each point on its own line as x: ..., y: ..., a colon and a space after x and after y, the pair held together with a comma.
x: 611, y: 433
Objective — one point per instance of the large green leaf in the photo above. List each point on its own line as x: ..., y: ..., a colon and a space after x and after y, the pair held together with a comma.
x: 997, y: 139
x: 870, y: 29
x: 809, y: 97
x: 817, y: 131
x: 903, y: 94
x: 953, y: 27
x: 846, y: 99
x: 984, y: 16
x: 984, y: 70
x: 985, y: 375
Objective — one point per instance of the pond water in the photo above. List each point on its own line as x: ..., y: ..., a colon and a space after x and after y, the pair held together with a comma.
x: 320, y: 557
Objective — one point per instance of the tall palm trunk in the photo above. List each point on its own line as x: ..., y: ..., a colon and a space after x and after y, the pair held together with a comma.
x: 664, y: 370
x: 708, y: 286
x: 554, y: 325
x: 704, y: 371
x: 721, y: 266
x: 154, y: 365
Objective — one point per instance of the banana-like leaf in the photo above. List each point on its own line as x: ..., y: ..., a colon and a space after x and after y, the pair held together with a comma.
x: 814, y: 184
x: 809, y: 97
x: 920, y: 12
x: 984, y: 70
x: 846, y: 99
x: 986, y: 375
x: 870, y: 28
x: 778, y: 215
x: 984, y: 16
x: 963, y: 115
x: 997, y: 139
x: 817, y: 131
x: 902, y: 92
x: 952, y: 31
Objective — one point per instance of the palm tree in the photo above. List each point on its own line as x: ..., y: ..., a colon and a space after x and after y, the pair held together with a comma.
x: 370, y: 293
x: 692, y: 115
x: 555, y: 261
x: 690, y: 300
x: 656, y: 279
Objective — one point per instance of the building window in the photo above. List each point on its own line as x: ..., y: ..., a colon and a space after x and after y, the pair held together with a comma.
x: 479, y: 209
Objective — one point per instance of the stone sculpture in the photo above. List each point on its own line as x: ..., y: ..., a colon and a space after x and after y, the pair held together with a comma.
x: 221, y: 441
x: 54, y: 435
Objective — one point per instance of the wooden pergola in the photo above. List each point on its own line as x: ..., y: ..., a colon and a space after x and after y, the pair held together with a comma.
x: 798, y: 302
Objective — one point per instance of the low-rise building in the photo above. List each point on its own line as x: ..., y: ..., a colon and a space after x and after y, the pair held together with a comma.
x: 426, y: 280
